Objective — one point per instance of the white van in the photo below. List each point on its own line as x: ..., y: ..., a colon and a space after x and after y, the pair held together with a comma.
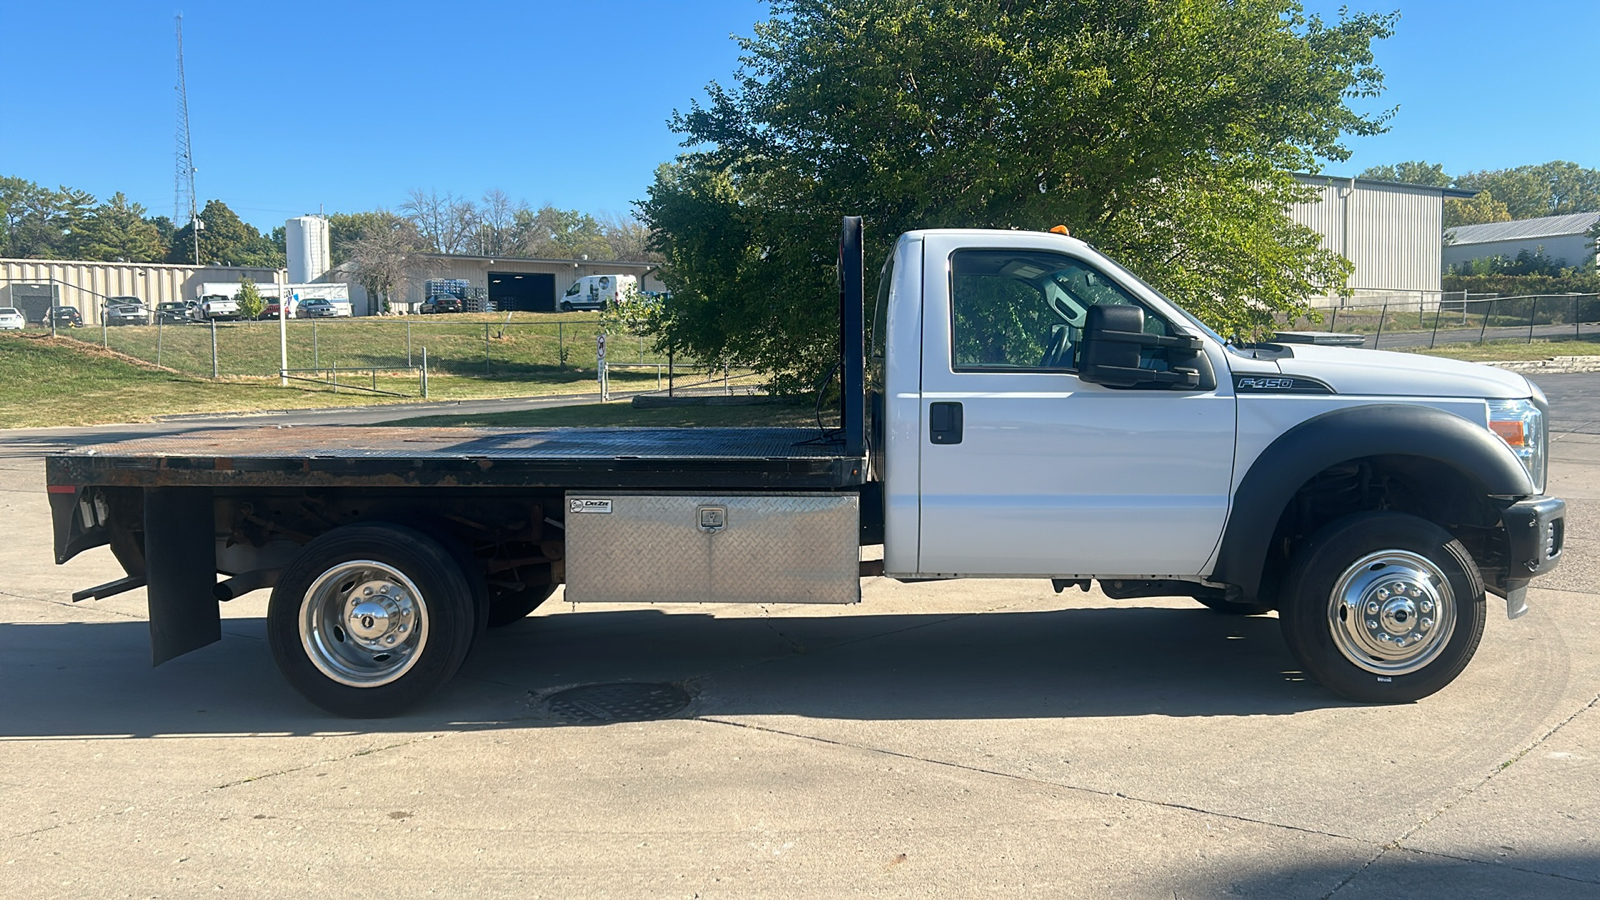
x: 597, y: 291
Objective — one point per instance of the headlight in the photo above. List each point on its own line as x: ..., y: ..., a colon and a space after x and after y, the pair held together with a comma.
x: 1520, y: 423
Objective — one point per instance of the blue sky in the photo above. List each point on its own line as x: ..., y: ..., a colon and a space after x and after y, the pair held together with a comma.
x: 345, y: 106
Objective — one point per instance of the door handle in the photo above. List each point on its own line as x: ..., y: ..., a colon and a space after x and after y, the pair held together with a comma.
x: 944, y: 423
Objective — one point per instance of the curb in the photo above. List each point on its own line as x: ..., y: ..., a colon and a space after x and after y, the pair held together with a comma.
x: 1555, y: 365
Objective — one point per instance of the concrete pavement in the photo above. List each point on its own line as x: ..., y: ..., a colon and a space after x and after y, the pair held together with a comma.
x: 956, y: 738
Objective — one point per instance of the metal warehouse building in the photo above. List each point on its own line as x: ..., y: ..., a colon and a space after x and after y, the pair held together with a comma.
x: 32, y: 285
x: 531, y: 285
x: 1562, y: 238
x: 1391, y: 233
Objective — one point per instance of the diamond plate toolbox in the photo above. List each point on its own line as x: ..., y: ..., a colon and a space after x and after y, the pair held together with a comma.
x: 713, y: 548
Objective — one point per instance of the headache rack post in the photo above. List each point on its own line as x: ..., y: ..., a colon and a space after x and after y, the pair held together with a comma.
x: 852, y: 339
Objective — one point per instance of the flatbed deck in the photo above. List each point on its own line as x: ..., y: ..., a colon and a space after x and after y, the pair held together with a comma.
x: 763, y: 459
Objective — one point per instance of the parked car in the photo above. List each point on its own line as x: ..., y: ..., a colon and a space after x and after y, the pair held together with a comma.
x: 270, y: 310
x: 216, y: 308
x: 11, y: 319
x: 174, y: 312
x: 442, y: 303
x: 318, y: 308
x: 62, y: 316
x: 126, y: 311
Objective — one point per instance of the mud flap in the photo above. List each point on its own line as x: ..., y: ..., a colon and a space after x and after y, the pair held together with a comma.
x: 180, y: 563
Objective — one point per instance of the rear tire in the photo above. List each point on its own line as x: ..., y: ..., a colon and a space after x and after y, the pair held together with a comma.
x: 1382, y: 607
x: 370, y: 619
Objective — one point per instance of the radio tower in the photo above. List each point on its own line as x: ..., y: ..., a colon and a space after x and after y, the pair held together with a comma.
x: 183, y: 182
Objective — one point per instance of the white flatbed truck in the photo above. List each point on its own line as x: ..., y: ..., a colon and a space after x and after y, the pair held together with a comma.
x: 1022, y: 407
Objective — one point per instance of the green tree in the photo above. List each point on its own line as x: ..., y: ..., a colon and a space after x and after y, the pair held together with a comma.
x: 249, y: 299
x: 1416, y: 172
x: 1165, y: 133
x: 1479, y: 210
x: 225, y: 239
x: 39, y: 223
x: 1549, y: 189
x: 165, y: 231
x: 552, y: 233
x: 118, y: 230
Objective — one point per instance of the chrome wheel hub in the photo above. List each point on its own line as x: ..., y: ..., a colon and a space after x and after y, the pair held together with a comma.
x: 1392, y: 612
x: 363, y: 623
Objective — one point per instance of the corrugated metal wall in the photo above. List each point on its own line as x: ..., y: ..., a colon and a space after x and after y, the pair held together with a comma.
x: 1390, y: 232
x: 1572, y: 250
x: 85, y: 285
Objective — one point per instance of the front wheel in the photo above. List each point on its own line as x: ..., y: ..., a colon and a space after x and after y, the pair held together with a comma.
x: 1382, y: 607
x: 565, y: 306
x: 370, y: 619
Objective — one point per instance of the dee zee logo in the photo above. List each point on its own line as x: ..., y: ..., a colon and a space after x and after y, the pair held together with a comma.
x: 589, y: 505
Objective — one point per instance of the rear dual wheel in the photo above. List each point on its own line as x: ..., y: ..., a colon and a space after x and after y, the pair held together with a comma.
x: 1382, y: 607
x: 370, y: 619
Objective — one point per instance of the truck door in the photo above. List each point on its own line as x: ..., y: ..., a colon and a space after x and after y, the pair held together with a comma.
x: 1027, y: 470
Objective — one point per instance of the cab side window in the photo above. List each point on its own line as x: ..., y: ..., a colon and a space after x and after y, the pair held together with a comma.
x: 1024, y: 310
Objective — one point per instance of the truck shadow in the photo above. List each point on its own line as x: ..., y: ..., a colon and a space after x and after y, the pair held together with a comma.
x: 95, y: 679
x: 1514, y: 872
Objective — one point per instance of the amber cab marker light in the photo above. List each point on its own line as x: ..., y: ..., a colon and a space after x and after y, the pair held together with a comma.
x: 1510, y: 432
x: 1061, y: 230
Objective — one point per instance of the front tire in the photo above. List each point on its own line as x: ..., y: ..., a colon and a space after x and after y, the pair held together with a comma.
x: 565, y: 306
x: 370, y: 619
x: 1382, y: 607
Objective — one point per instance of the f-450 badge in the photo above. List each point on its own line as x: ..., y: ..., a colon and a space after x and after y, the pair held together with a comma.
x: 1278, y: 384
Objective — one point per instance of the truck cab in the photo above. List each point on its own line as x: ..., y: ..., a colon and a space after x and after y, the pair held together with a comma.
x: 1045, y: 412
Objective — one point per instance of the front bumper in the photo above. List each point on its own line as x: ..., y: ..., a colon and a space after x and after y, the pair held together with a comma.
x: 1536, y: 531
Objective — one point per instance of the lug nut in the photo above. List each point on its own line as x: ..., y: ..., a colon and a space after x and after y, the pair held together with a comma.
x: 1427, y: 624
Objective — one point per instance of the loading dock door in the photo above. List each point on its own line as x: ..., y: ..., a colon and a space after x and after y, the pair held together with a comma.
x: 523, y: 291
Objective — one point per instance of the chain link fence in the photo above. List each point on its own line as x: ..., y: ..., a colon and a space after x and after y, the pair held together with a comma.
x: 395, y: 355
x: 1458, y: 317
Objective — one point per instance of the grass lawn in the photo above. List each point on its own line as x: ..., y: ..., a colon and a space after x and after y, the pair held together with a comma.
x: 45, y: 381
x: 782, y: 415
x: 1495, y: 351
x: 524, y: 345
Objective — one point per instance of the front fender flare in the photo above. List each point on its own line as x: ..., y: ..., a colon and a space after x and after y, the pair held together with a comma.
x: 1343, y: 435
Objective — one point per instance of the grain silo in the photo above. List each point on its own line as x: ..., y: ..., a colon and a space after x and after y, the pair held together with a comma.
x: 306, y: 245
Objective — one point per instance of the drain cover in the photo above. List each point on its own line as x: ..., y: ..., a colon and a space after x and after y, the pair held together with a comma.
x: 627, y: 701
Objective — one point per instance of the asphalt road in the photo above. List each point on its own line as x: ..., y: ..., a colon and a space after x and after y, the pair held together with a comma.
x: 1574, y: 402
x: 968, y: 738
